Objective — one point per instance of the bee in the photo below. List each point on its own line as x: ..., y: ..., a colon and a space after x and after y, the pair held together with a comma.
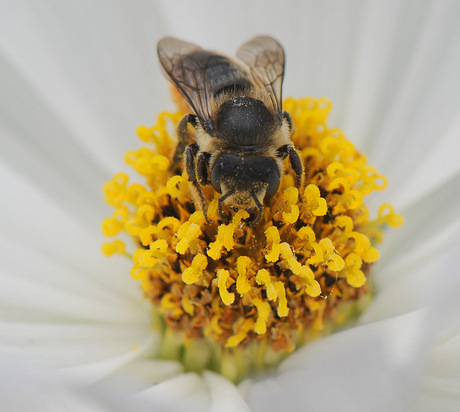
x: 242, y: 135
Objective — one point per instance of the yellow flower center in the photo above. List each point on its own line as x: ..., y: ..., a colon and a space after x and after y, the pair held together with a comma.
x: 250, y: 295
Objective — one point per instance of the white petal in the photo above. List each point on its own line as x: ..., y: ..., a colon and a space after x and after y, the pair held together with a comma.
x: 21, y: 391
x: 369, y: 368
x: 441, y: 379
x: 45, y: 249
x: 224, y: 395
x: 140, y: 374
x: 96, y: 349
x: 419, y: 279
x: 185, y: 393
x: 90, y: 69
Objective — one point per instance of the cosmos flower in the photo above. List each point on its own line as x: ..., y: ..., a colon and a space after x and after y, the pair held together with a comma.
x: 76, y: 83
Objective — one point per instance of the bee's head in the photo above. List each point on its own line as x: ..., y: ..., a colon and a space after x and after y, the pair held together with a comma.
x: 245, y: 181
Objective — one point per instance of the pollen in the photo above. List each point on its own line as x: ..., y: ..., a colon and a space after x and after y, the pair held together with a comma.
x: 249, y: 295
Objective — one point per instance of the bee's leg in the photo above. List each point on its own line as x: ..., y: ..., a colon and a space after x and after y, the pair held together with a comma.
x: 202, y: 168
x: 260, y: 209
x: 221, y: 201
x: 184, y: 138
x: 191, y: 152
x: 295, y: 160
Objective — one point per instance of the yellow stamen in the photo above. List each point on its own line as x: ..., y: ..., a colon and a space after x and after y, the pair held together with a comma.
x: 263, y: 311
x: 273, y: 237
x: 235, y: 340
x: 223, y: 278
x: 331, y: 258
x: 263, y: 278
x: 291, y: 210
x: 117, y: 246
x: 283, y: 309
x: 193, y: 273
x: 355, y: 276
x: 242, y: 282
x: 156, y: 252
x: 315, y: 203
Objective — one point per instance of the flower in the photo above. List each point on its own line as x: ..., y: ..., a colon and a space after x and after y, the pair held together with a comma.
x: 72, y: 94
x: 235, y: 297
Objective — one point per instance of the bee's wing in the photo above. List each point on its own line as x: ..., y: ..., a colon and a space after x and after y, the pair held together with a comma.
x: 185, y: 65
x: 265, y: 58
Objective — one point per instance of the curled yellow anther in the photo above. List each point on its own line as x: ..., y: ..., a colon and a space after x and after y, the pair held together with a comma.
x: 223, y: 278
x: 188, y: 306
x: 236, y: 339
x: 239, y: 216
x: 289, y: 258
x: 312, y: 287
x: 189, y: 232
x: 304, y: 272
x: 157, y: 251
x: 134, y: 193
x: 307, y: 233
x: 263, y: 278
x: 116, y: 189
x: 363, y: 247
x: 146, y: 213
x: 352, y: 199
x: 344, y: 223
x: 334, y: 169
x: 187, y: 236
x: 217, y: 315
x: 167, y: 301
x: 146, y: 235
x: 314, y: 202
x: 213, y: 214
x: 169, y: 221
x: 112, y: 226
x: 263, y: 310
x: 174, y: 185
x: 193, y: 273
x: 355, y: 276
x: 318, y: 256
x: 197, y: 218
x: 387, y: 213
x: 331, y: 258
x: 339, y: 183
x: 273, y: 237
x: 144, y: 133
x: 291, y: 210
x: 110, y: 248
x: 224, y: 238
x: 138, y: 273
x: 283, y: 309
x: 242, y: 283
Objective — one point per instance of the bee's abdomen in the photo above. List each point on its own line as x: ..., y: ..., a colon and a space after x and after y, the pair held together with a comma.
x: 224, y: 75
x: 221, y: 74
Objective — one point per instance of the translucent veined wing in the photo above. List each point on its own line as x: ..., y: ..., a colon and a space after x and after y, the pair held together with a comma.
x: 200, y: 75
x: 265, y: 58
x: 185, y: 64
